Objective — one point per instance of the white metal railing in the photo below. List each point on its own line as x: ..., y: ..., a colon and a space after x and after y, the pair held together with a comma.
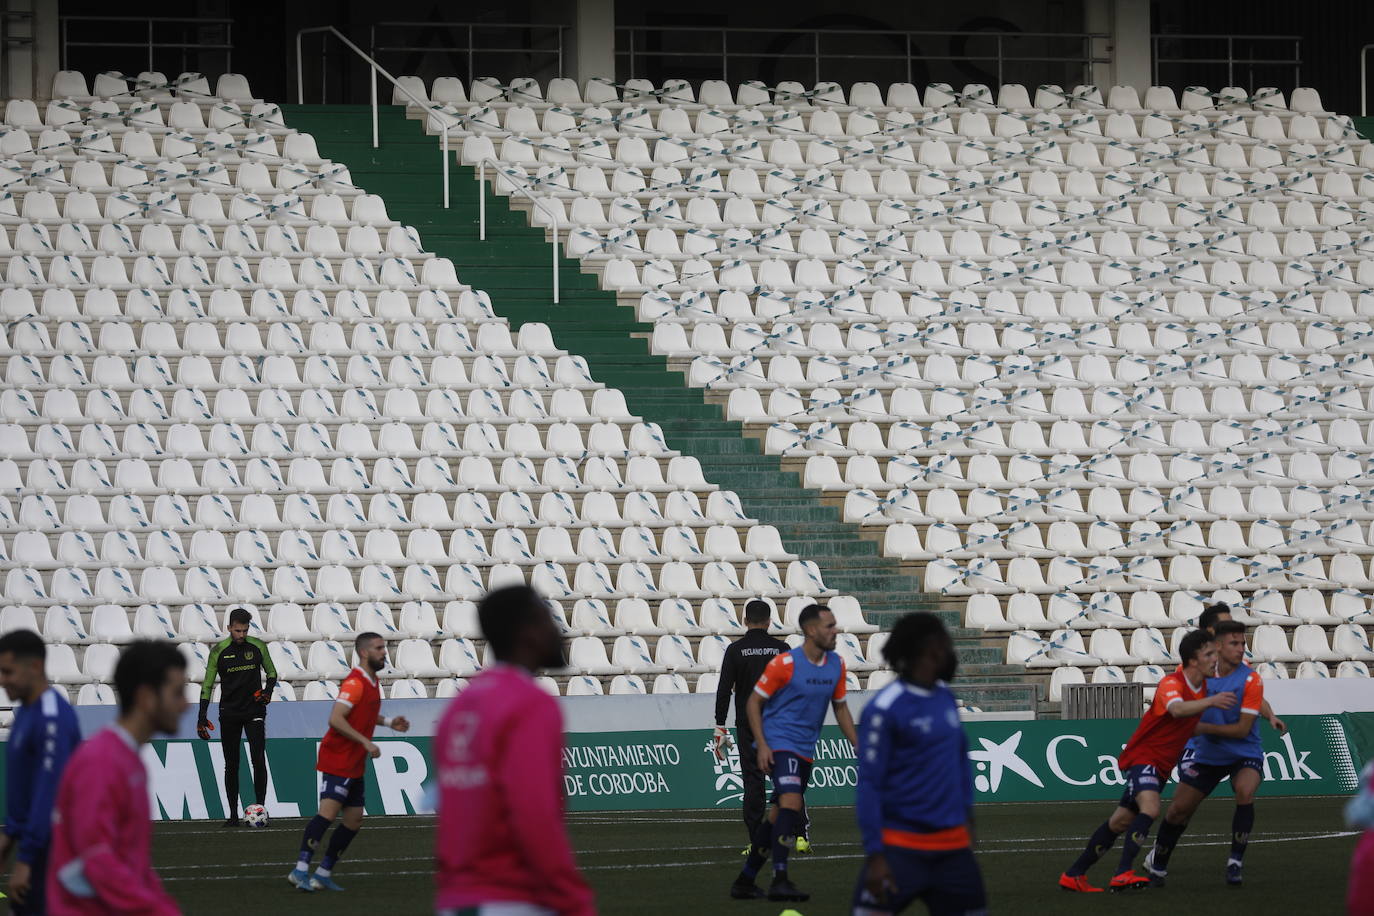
x: 515, y: 186
x: 375, y: 68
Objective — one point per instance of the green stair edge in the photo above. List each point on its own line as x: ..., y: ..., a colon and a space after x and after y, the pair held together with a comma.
x: 513, y: 267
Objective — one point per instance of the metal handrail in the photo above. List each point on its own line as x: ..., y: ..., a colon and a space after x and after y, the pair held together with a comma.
x: 1230, y: 60
x: 472, y: 47
x: 151, y: 44
x: 515, y: 186
x: 633, y: 50
x: 1364, y: 81
x: 426, y: 107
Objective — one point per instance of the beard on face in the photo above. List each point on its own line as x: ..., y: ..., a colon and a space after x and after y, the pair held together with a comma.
x: 553, y: 656
x: 950, y: 667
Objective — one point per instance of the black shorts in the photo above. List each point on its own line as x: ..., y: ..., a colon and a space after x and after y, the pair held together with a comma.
x: 947, y: 881
x: 1205, y: 777
x: 347, y: 790
x: 1140, y: 778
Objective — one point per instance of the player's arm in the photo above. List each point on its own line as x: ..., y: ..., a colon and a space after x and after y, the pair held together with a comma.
x: 1237, y: 729
x: 754, y: 708
x: 1267, y: 713
x: 1182, y: 709
x: 843, y: 718
x: 530, y: 779
x: 99, y: 862
x: 338, y: 720
x: 207, y: 690
x: 398, y: 724
x: 265, y: 694
x: 725, y: 687
x: 874, y: 749
x: 58, y: 743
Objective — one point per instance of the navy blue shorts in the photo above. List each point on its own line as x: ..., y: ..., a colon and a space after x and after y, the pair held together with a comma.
x: 948, y: 882
x: 1140, y: 778
x: 345, y: 789
x: 791, y: 773
x: 1205, y: 777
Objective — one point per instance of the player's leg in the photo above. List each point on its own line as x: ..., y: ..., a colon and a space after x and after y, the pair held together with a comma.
x: 256, y: 732
x: 333, y: 793
x: 349, y: 825
x: 1137, y: 831
x: 744, y: 887
x: 1245, y: 782
x: 1196, y: 782
x: 755, y: 802
x: 790, y: 775
x: 956, y: 885
x: 1102, y: 839
x: 910, y: 878
x: 231, y: 739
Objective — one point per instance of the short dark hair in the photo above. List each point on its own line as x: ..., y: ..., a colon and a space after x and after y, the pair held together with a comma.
x: 910, y: 636
x: 502, y: 614
x: 23, y: 644
x: 362, y: 639
x: 240, y: 615
x: 1227, y: 627
x: 145, y: 663
x: 757, y: 611
x: 1207, y: 620
x: 1192, y: 644
x: 809, y: 613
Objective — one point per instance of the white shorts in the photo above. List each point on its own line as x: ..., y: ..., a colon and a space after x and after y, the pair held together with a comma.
x: 500, y: 908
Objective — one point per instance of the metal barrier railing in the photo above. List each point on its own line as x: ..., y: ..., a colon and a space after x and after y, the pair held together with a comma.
x: 1364, y: 81
x: 515, y: 186
x: 374, y: 69
x: 633, y: 43
x: 151, y: 42
x: 1233, y: 58
x: 481, y: 37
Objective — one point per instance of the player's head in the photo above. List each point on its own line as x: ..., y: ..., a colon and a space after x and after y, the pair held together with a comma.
x: 150, y: 680
x: 518, y: 625
x: 371, y: 649
x: 1229, y: 636
x: 1198, y: 652
x: 919, y: 649
x: 239, y: 621
x: 817, y: 624
x: 757, y: 614
x: 1213, y: 614
x: 22, y: 655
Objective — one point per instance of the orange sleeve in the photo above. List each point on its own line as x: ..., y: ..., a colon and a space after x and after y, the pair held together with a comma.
x: 1253, y: 697
x: 350, y: 692
x: 840, y: 688
x: 776, y: 676
x: 1169, y: 691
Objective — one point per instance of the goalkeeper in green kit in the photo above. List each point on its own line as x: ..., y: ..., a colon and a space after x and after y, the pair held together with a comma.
x: 240, y: 662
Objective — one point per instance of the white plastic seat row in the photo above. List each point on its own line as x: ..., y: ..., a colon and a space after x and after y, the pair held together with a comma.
x: 71, y: 84
x: 135, y: 206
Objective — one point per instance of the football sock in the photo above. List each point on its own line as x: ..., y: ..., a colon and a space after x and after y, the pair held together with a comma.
x: 1167, y: 838
x: 758, y: 852
x: 337, y: 844
x: 1135, y: 838
x: 1103, y: 838
x: 314, y: 832
x: 1242, y: 822
x: 785, y: 828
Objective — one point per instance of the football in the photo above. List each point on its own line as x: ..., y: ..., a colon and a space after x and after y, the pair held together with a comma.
x: 255, y: 816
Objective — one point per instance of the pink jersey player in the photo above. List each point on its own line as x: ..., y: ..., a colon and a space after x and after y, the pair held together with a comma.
x: 498, y: 756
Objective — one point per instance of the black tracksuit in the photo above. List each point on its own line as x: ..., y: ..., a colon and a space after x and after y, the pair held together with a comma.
x: 744, y: 661
x: 240, y: 668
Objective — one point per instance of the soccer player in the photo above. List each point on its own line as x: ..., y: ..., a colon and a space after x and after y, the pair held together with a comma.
x: 101, y: 858
x: 1231, y: 748
x: 786, y: 713
x: 240, y: 662
x: 1212, y: 615
x: 501, y: 846
x: 915, y: 795
x: 740, y: 670
x: 43, y: 736
x: 1149, y: 758
x: 342, y: 761
x: 1359, y: 813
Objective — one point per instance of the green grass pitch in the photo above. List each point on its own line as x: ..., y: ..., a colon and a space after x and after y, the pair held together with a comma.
x: 683, y: 862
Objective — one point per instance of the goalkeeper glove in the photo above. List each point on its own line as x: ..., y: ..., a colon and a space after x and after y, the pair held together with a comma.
x: 262, y: 696
x: 203, y: 729
x: 722, y: 741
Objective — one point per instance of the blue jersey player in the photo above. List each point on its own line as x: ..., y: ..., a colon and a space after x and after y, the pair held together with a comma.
x: 1230, y: 749
x: 786, y: 713
x: 915, y: 794
x: 43, y: 736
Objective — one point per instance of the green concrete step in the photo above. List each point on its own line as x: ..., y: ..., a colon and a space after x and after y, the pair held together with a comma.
x: 512, y: 265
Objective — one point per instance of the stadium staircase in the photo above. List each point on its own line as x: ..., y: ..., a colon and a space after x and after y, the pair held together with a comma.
x: 512, y: 265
